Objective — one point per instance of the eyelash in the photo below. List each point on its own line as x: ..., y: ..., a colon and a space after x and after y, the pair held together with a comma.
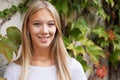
x: 51, y: 24
x: 37, y: 24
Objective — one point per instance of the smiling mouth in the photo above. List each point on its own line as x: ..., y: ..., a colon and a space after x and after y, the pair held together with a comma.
x: 44, y: 39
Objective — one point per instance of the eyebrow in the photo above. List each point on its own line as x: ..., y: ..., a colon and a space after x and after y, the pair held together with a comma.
x: 40, y: 21
x: 51, y: 21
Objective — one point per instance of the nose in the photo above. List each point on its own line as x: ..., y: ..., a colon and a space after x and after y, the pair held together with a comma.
x: 44, y: 29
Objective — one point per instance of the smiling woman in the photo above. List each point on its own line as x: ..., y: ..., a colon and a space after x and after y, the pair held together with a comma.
x: 43, y: 54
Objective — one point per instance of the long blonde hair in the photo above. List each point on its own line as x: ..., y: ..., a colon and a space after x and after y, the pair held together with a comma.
x: 59, y: 53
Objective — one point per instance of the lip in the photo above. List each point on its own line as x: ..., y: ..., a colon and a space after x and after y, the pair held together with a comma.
x: 44, y: 39
x: 43, y: 36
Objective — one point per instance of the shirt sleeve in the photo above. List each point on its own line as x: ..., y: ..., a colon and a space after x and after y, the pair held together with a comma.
x: 77, y: 71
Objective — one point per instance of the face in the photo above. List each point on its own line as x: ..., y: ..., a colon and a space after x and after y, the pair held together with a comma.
x: 42, y: 28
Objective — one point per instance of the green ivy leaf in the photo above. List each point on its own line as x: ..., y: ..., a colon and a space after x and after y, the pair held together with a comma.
x: 75, y: 33
x: 117, y: 36
x: 110, y: 2
x: 100, y: 32
x: 24, y: 9
x: 0, y: 36
x: 79, y: 50
x: 6, y: 11
x: 9, y: 44
x: 6, y: 51
x: 116, y: 45
x: 72, y: 48
x: 13, y: 8
x: 116, y: 28
x: 49, y: 0
x: 94, y: 52
x: 14, y: 35
x: 101, y: 12
x: 97, y: 2
x: 103, y: 43
x: 83, y: 63
x: 82, y: 26
x: 2, y: 15
x: 66, y: 41
x: 86, y: 42
x: 115, y: 57
x: 64, y: 7
x: 20, y: 5
x: 61, y: 6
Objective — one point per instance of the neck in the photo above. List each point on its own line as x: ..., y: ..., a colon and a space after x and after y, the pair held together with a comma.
x: 41, y: 54
x: 41, y: 57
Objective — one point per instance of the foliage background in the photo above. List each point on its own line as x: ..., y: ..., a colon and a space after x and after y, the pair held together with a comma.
x: 91, y: 30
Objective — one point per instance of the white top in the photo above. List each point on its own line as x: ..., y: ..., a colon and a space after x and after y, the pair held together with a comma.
x: 45, y: 73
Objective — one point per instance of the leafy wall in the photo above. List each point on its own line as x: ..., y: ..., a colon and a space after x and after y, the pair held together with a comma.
x: 91, y: 30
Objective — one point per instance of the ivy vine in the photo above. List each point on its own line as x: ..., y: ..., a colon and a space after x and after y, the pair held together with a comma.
x: 7, y: 13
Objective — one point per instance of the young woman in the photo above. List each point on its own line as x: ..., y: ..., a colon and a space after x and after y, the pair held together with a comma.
x: 43, y: 54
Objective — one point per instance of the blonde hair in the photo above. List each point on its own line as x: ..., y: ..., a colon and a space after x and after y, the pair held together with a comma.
x: 59, y: 53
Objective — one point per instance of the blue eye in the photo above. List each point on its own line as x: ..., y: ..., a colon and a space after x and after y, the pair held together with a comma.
x: 51, y: 24
x: 37, y: 24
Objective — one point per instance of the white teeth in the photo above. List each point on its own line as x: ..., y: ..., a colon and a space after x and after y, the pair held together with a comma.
x: 43, y: 37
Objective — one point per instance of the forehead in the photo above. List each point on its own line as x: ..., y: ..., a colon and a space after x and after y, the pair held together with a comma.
x: 43, y: 14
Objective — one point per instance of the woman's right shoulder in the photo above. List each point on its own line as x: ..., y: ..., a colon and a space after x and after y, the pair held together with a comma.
x: 13, y: 65
x: 12, y: 68
x: 12, y: 71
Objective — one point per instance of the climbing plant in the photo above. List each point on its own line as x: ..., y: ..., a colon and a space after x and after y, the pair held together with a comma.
x: 10, y: 42
x: 90, y: 27
x: 77, y: 31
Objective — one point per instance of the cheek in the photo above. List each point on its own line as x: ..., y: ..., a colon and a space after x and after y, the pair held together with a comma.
x: 54, y: 30
x: 33, y: 30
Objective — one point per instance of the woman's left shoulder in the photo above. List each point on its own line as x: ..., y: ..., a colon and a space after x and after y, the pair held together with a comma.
x: 72, y: 62
x: 76, y: 69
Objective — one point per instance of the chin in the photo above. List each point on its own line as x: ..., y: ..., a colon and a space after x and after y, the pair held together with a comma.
x: 44, y: 46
